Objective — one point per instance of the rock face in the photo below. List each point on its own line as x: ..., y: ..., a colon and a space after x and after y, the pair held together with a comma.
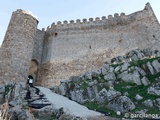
x: 118, y: 87
x: 24, y: 100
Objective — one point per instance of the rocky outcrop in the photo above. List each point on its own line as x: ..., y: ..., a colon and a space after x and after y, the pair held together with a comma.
x: 23, y: 102
x: 122, y: 104
x: 119, y: 85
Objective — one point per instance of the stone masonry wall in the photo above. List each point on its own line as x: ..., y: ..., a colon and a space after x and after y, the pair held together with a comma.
x: 38, y: 46
x: 73, y: 48
x: 37, y: 54
x: 17, y: 47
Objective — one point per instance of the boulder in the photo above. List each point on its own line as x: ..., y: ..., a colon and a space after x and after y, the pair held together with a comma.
x: 141, y: 71
x: 111, y: 94
x: 88, y: 75
x: 148, y: 52
x: 118, y: 68
x: 154, y: 90
x: 150, y: 68
x: 148, y: 103
x: 102, y: 95
x: 77, y: 96
x: 18, y: 114
x: 133, y: 77
x: 63, y: 88
x: 91, y: 83
x: 125, y: 76
x: 103, y: 71
x: 158, y: 102
x: 106, y: 66
x: 145, y: 81
x: 124, y: 66
x: 126, y: 94
x: 90, y: 93
x: 156, y: 65
x: 136, y: 78
x: 122, y: 104
x: 118, y: 59
x: 138, y: 97
x: 157, y: 52
x: 110, y: 76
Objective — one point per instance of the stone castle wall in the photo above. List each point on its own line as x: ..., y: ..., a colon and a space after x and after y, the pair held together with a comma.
x: 17, y: 48
x: 73, y: 48
x: 67, y: 49
x: 38, y: 46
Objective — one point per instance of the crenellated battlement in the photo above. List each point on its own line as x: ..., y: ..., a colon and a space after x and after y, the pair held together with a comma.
x: 85, y: 24
x: 84, y: 21
x: 98, y: 22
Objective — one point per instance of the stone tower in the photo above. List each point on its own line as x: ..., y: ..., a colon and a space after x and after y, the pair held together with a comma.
x: 17, y: 47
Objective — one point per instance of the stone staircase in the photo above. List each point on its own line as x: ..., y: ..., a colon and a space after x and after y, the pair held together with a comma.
x: 35, y: 98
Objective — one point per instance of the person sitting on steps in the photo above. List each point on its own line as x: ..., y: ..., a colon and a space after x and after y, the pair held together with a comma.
x: 30, y: 81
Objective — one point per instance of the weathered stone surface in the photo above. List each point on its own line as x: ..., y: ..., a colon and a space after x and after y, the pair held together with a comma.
x: 90, y: 84
x: 19, y: 114
x: 158, y: 102
x: 138, y: 97
x: 102, y: 95
x: 148, y: 103
x: 63, y: 88
x: 122, y: 104
x: 130, y: 77
x: 145, y: 81
x: 156, y: 65
x: 150, y: 68
x: 110, y: 76
x: 111, y: 94
x: 17, y: 48
x: 125, y: 76
x: 117, y: 68
x: 136, y: 78
x: 125, y: 66
x: 126, y: 94
x: 103, y: 71
x: 154, y: 90
x: 90, y: 93
x: 77, y: 96
x: 141, y: 71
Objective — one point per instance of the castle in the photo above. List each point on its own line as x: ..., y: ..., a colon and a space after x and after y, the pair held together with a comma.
x: 67, y: 49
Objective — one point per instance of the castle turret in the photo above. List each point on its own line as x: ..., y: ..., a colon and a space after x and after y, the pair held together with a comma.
x: 17, y: 47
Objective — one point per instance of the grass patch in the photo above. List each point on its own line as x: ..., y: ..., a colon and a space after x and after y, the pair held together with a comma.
x: 144, y: 61
x: 152, y: 78
x: 7, y: 89
x: 100, y: 108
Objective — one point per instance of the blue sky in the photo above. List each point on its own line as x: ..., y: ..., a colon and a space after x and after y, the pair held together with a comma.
x: 49, y: 11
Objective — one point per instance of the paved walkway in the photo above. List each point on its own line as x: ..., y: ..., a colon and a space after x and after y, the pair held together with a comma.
x: 74, y: 108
